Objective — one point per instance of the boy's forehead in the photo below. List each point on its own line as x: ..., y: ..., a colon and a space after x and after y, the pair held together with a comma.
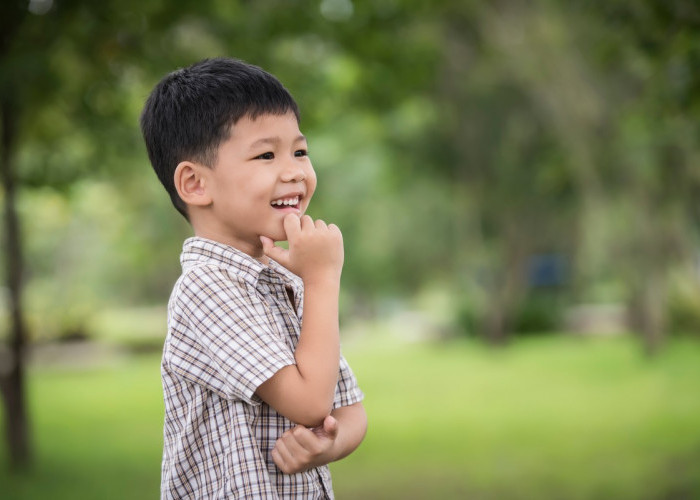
x: 266, y: 128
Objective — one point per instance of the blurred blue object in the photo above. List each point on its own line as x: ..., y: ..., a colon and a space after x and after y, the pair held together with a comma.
x: 547, y: 270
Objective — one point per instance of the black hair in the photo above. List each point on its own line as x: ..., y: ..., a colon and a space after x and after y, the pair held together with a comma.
x: 190, y: 112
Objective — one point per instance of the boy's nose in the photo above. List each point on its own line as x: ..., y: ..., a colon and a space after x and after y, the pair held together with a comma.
x: 293, y: 173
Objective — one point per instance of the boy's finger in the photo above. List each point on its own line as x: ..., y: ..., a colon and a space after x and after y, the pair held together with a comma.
x: 292, y: 226
x: 306, y: 222
x: 320, y: 224
x: 288, y: 449
x: 283, y: 458
x: 274, y: 252
x: 278, y: 459
x: 295, y: 446
x: 330, y: 426
x: 306, y: 439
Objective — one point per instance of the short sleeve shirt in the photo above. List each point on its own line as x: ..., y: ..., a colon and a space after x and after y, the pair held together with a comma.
x: 233, y: 322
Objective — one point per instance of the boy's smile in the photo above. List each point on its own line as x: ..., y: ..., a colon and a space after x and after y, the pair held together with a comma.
x: 286, y: 203
x: 262, y: 173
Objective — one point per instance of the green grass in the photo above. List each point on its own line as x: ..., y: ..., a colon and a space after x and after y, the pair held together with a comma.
x: 559, y: 418
x: 97, y: 433
x: 545, y: 418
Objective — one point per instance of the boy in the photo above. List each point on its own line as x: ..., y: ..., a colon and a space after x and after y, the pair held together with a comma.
x: 257, y: 400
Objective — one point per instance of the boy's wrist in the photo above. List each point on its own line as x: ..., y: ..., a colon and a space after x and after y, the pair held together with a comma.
x: 328, y: 282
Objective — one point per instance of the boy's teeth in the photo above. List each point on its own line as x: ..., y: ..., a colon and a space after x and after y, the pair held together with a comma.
x: 288, y: 201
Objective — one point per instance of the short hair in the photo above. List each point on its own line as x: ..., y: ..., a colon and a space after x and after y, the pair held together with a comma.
x: 190, y: 112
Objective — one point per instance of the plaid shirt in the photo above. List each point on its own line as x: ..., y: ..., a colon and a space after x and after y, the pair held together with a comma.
x: 233, y: 322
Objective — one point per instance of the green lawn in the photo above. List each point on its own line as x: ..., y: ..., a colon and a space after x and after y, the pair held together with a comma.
x: 552, y: 418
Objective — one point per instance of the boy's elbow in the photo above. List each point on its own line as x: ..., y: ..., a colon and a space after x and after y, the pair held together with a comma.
x: 302, y: 403
x: 313, y: 414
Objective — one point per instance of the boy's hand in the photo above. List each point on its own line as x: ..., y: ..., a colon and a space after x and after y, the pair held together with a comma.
x: 315, y: 249
x: 300, y: 448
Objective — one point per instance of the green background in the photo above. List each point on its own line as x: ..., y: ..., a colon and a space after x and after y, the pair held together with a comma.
x: 517, y: 183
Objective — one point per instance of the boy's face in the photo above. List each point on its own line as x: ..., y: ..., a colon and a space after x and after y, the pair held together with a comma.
x: 262, y: 173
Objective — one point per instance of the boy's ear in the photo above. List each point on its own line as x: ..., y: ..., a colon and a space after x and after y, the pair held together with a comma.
x: 191, y: 183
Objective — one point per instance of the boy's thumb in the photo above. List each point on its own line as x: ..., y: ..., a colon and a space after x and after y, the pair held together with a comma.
x: 330, y: 426
x: 272, y: 251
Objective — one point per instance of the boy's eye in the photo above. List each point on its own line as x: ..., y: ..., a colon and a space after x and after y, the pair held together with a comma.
x: 301, y: 152
x: 266, y: 156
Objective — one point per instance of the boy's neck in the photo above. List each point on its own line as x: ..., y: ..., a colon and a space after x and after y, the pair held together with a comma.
x: 255, y: 251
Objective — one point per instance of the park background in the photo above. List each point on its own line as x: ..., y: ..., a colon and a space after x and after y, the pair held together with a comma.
x: 518, y: 186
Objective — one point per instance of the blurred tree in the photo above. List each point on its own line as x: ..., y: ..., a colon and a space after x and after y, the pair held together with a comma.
x: 61, y: 66
x: 648, y: 52
x: 565, y: 120
x: 12, y: 375
x: 519, y: 119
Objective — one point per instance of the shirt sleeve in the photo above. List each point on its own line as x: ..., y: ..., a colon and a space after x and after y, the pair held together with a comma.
x: 222, y: 335
x: 347, y: 392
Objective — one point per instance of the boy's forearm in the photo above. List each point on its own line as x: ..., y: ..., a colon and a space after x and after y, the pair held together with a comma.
x: 318, y: 352
x: 304, y: 392
x: 301, y: 448
x: 352, y: 427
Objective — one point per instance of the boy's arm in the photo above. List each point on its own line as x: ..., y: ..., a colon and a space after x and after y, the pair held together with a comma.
x: 304, y: 392
x: 340, y: 434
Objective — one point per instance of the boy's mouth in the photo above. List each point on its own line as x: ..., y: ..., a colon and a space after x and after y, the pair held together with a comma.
x: 282, y: 203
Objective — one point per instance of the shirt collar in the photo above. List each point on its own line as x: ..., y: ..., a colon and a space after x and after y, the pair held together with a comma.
x: 288, y: 277
x: 198, y: 251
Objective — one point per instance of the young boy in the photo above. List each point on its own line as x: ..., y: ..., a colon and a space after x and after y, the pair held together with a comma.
x: 257, y: 400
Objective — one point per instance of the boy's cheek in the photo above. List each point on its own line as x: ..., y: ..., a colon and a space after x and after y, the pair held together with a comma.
x: 310, y: 189
x: 306, y: 202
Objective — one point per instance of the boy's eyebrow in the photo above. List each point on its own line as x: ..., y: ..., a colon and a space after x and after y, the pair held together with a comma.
x: 275, y: 141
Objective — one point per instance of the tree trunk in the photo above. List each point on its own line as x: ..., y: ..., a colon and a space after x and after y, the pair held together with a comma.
x: 495, y: 324
x: 647, y: 312
x: 12, y: 377
x: 508, y: 287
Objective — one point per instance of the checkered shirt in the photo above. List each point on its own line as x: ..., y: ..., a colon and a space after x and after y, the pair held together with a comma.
x: 233, y: 322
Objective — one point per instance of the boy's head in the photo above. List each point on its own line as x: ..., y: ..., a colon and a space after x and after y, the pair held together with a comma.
x: 191, y: 112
